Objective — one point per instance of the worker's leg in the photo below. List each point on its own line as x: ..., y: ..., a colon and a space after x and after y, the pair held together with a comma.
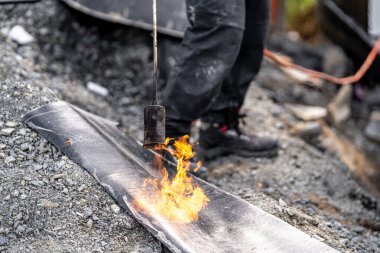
x: 209, y: 49
x: 246, y: 66
x: 220, y: 132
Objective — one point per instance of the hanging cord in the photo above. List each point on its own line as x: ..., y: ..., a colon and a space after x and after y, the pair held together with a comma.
x: 155, y: 58
x: 341, y: 81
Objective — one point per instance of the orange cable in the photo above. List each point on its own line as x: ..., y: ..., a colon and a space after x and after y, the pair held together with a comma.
x: 342, y: 81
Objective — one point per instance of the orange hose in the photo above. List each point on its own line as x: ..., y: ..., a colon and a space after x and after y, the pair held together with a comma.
x: 316, y: 74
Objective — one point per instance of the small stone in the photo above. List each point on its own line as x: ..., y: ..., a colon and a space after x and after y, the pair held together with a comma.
x: 282, y: 203
x: 269, y: 190
x: 337, y: 225
x: 22, y: 131
x: 37, y: 167
x: 47, y: 203
x: 89, y: 223
x: 28, y: 230
x: 81, y: 188
x: 358, y: 230
x: 7, y: 131
x: 11, y: 124
x: 290, y: 213
x: 314, y: 222
x: 60, y: 164
x: 103, y: 243
x: 2, y: 146
x: 8, y: 197
x: 372, y: 129
x: 23, y: 196
x: 19, y: 216
x: 37, y: 183
x: 339, y: 109
x: 126, y: 240
x: 125, y: 101
x: 20, y: 229
x: 3, y: 240
x: 10, y: 159
x: 24, y: 146
x: 20, y: 35
x: 306, y: 130
x: 69, y: 181
x: 318, y: 238
x: 87, y: 213
x: 51, y: 233
x: 307, y: 113
x: 97, y: 89
x: 15, y: 193
x: 58, y: 176
x: 115, y: 208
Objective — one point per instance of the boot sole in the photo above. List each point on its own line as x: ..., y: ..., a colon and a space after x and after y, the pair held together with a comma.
x: 209, y: 154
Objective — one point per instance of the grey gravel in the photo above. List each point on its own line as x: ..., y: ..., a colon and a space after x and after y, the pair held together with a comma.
x: 66, y: 54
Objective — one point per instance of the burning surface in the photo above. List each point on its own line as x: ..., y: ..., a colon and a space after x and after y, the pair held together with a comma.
x: 177, y: 199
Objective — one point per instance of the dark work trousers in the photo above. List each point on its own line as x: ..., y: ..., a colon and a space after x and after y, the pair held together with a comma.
x: 219, y: 56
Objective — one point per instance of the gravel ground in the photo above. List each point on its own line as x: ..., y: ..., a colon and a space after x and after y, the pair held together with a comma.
x: 50, y: 203
x: 53, y: 205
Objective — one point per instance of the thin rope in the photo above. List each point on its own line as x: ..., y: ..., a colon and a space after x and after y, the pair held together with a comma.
x: 155, y: 57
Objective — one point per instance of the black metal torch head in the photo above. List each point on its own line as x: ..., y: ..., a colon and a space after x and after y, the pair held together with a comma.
x: 154, y: 126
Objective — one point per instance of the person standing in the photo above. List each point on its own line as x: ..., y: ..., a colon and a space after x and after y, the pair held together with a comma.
x: 220, y: 55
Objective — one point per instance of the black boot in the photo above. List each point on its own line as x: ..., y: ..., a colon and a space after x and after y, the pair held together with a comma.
x: 217, y: 139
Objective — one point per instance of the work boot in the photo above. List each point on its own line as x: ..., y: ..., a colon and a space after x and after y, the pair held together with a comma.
x: 217, y: 140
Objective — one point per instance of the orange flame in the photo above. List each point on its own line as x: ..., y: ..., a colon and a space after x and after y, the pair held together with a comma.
x: 179, y: 199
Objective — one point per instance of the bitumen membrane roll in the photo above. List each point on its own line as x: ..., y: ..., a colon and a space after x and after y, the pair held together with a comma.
x: 120, y: 164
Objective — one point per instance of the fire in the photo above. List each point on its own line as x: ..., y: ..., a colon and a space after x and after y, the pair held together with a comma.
x: 177, y: 199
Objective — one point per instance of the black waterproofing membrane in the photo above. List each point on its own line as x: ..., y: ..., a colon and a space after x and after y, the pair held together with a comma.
x: 171, y: 14
x: 120, y: 165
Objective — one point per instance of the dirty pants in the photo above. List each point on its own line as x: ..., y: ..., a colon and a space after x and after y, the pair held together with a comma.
x: 220, y: 54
